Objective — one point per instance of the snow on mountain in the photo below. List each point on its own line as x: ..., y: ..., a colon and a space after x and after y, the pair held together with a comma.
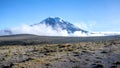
x: 53, y: 26
x: 57, y: 22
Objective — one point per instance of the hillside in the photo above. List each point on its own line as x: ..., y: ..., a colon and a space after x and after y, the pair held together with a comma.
x: 104, y: 54
x: 29, y: 39
x: 32, y: 51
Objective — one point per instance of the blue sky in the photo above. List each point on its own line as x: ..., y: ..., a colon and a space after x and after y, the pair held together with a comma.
x: 93, y: 15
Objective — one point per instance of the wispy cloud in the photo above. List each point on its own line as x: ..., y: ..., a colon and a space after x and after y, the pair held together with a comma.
x: 86, y: 25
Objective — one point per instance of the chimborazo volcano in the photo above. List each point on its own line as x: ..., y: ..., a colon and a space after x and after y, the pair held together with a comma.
x: 58, y: 22
x: 54, y: 23
x: 53, y: 26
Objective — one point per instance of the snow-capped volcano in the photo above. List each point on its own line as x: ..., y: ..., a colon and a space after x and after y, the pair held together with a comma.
x: 57, y: 22
x: 53, y: 26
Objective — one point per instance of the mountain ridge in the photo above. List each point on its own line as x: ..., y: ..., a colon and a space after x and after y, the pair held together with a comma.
x: 55, y: 22
x: 53, y: 26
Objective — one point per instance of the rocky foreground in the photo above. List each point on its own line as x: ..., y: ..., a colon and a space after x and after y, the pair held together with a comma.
x: 105, y: 54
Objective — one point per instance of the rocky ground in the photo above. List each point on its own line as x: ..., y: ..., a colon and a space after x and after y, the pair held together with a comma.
x: 105, y: 54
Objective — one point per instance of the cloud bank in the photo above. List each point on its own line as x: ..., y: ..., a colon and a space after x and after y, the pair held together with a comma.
x: 43, y: 30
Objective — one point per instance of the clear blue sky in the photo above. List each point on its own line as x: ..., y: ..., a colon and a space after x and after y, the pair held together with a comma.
x: 99, y: 15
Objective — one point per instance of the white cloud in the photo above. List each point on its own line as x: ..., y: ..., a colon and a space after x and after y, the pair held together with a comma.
x: 43, y: 30
x: 40, y: 29
x: 78, y: 33
x: 86, y: 25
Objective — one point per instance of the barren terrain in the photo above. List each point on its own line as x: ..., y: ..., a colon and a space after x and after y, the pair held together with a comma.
x: 89, y: 53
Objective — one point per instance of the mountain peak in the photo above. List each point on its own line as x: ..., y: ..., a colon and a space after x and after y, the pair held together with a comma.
x: 55, y: 19
x: 57, y: 22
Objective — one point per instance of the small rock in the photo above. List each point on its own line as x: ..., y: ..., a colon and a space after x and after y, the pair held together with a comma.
x: 97, y: 66
x: 117, y: 63
x: 113, y: 67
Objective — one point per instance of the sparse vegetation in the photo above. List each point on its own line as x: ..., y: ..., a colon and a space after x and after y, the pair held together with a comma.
x: 102, y: 54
